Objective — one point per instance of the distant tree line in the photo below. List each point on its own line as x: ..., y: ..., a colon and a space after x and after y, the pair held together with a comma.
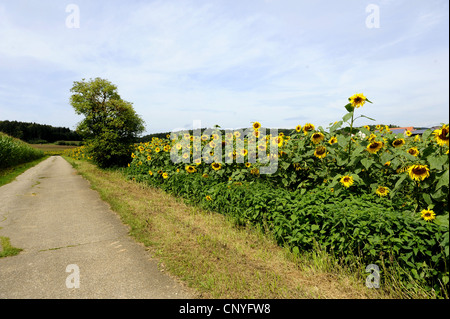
x: 38, y: 133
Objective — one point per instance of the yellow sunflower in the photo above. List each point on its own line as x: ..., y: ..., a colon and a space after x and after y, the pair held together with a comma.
x: 347, y: 181
x: 320, y: 152
x: 165, y: 175
x: 413, y: 151
x: 216, y: 166
x: 357, y: 100
x: 308, y: 127
x: 418, y: 172
x: 317, y: 137
x: 382, y: 191
x: 398, y: 142
x: 441, y: 135
x: 190, y: 169
x: 332, y: 140
x: 298, y: 128
x: 427, y: 214
x: 256, y: 126
x: 374, y: 147
x: 208, y: 197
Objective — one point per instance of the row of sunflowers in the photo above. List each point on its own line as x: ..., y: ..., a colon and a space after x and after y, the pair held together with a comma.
x: 377, y: 161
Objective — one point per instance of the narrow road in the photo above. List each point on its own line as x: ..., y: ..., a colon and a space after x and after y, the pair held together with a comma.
x: 74, y: 245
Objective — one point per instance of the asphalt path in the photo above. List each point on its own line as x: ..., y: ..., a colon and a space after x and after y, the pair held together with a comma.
x: 73, y: 245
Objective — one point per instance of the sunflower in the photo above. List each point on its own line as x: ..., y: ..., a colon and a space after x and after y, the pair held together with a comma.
x: 413, y: 151
x: 398, y: 142
x: 298, y: 128
x: 347, y: 181
x: 150, y: 173
x: 262, y: 147
x: 308, y: 127
x: 317, y: 137
x: 256, y: 126
x: 320, y: 152
x: 441, y: 135
x: 216, y: 166
x: 248, y: 165
x: 374, y: 147
x: 408, y: 133
x: 427, y: 214
x: 208, y: 197
x: 367, y: 127
x: 149, y: 158
x: 165, y: 175
x: 357, y: 100
x: 157, y: 150
x: 243, y: 152
x: 382, y: 191
x: 418, y: 172
x: 332, y: 140
x: 190, y: 169
x: 278, y: 140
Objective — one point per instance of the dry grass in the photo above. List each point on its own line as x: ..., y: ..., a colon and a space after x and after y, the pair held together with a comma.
x: 211, y: 255
x: 52, y: 147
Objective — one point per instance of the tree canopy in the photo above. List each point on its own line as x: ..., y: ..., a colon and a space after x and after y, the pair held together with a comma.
x: 110, y: 125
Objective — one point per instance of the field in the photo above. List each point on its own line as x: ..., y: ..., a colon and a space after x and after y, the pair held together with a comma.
x: 368, y: 198
x: 14, y: 152
x: 53, y: 149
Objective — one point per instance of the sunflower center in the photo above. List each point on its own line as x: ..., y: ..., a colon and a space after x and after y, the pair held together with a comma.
x: 443, y: 135
x: 419, y: 170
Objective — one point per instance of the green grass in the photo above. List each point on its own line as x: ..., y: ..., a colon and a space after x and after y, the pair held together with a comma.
x: 7, y: 175
x: 6, y: 249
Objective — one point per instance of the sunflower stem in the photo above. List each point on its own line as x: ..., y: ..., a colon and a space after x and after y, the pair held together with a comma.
x: 350, y: 140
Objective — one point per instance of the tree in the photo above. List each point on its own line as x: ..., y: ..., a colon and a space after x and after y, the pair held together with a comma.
x: 110, y: 126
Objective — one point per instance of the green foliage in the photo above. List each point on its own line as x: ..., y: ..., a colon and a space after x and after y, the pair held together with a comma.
x: 34, y: 133
x: 14, y: 151
x: 110, y: 125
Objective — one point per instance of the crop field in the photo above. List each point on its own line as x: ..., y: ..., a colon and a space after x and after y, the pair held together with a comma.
x: 14, y: 151
x: 366, y: 196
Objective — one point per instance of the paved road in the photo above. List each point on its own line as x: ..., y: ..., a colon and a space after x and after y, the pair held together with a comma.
x: 73, y: 245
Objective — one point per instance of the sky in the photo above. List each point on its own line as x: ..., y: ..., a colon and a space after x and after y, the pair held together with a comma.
x: 187, y: 63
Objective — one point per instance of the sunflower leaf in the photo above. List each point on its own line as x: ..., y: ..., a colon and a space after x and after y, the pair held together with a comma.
x: 367, y: 116
x: 443, y: 180
x: 347, y: 116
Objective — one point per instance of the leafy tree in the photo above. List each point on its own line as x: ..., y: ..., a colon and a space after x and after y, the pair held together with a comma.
x: 110, y: 126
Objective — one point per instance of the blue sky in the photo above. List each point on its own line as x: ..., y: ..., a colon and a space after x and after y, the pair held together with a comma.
x: 229, y: 62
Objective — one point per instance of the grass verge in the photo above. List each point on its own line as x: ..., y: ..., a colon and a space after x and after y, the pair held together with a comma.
x: 8, y: 174
x: 209, y: 253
